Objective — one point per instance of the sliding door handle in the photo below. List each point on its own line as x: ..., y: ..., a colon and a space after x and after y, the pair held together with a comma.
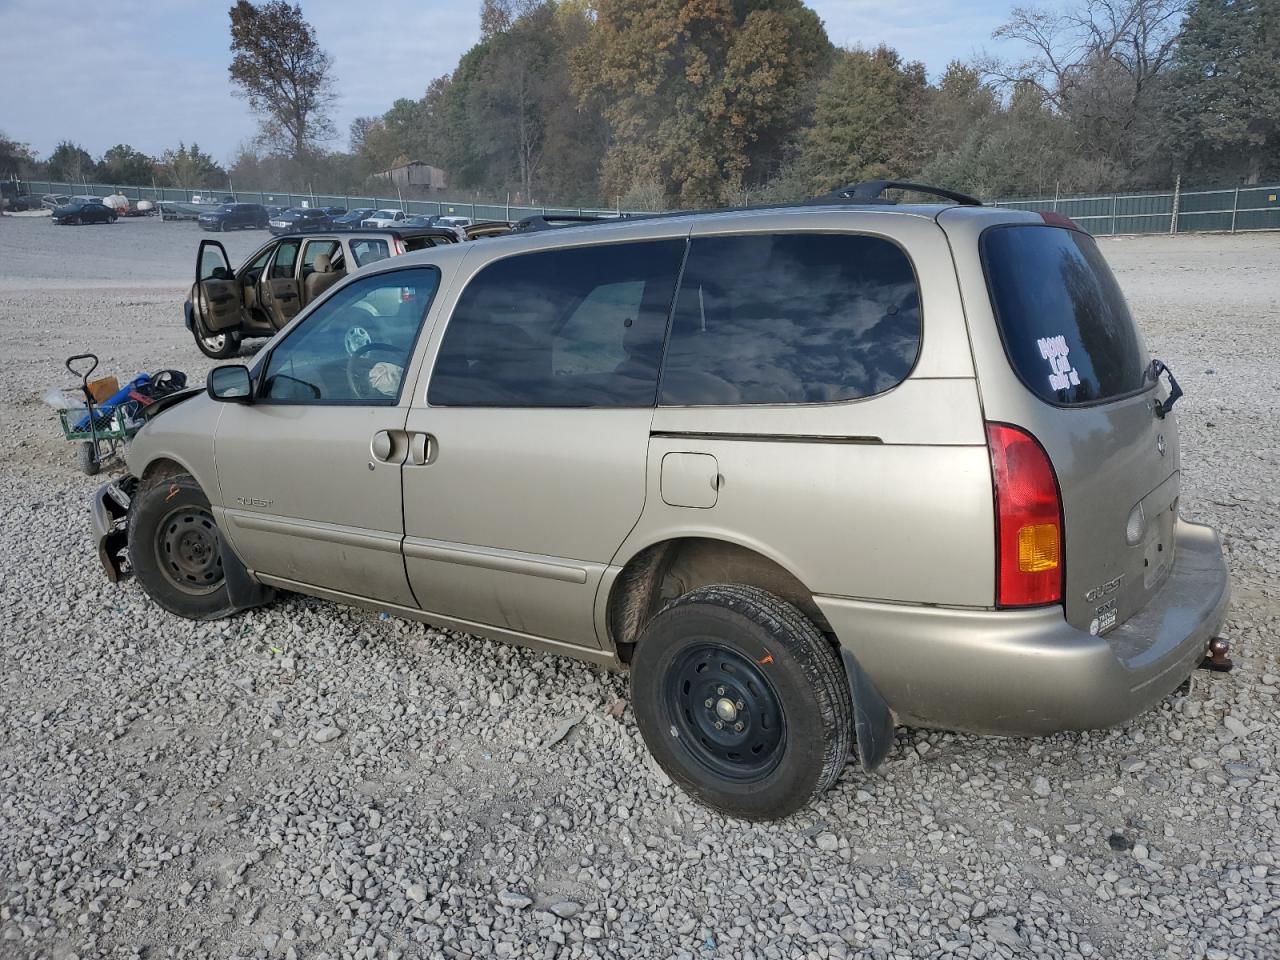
x: 422, y: 449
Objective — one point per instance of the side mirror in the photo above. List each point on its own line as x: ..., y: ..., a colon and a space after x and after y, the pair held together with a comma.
x: 230, y: 384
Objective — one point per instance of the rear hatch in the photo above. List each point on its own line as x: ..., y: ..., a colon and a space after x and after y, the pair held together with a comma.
x: 1058, y: 355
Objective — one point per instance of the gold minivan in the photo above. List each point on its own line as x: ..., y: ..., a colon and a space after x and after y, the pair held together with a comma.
x: 805, y: 471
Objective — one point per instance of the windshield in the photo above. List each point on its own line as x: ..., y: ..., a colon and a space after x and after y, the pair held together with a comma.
x: 385, y: 214
x: 1064, y: 322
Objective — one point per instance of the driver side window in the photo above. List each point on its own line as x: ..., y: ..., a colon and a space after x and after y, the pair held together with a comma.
x: 356, y: 346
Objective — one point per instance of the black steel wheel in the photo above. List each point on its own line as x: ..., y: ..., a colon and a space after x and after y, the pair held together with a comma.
x: 729, y: 716
x: 742, y: 701
x: 175, y: 550
x: 188, y: 552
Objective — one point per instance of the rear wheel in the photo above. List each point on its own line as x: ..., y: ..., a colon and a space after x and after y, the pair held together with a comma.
x: 742, y: 701
x: 175, y: 549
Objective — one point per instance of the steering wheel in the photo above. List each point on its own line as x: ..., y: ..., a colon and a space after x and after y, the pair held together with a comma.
x: 361, y: 368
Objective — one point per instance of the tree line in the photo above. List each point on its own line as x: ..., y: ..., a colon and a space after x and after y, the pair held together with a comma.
x: 654, y: 103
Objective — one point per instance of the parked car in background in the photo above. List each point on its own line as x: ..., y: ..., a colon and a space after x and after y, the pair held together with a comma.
x: 806, y: 471
x: 298, y: 218
x: 84, y: 210
x: 353, y: 218
x: 486, y: 228
x: 384, y: 218
x: 335, y: 211
x: 235, y: 216
x: 281, y: 277
x: 22, y: 202
x: 51, y: 201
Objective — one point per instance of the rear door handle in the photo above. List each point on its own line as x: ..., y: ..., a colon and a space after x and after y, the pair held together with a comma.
x: 422, y: 449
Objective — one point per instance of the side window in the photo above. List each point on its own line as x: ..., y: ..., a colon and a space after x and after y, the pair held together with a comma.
x: 581, y: 327
x: 369, y: 251
x: 254, y: 270
x: 791, y: 318
x: 314, y: 250
x: 213, y: 263
x: 286, y: 257
x: 356, y: 346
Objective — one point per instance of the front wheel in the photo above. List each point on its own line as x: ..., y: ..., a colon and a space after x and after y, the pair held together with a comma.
x: 742, y: 701
x: 175, y: 549
x: 217, y: 346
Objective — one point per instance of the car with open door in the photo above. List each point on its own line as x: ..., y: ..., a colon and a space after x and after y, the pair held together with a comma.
x: 807, y: 472
x: 227, y: 306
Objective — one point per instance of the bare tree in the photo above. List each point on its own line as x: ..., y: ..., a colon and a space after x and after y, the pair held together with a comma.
x: 281, y: 70
x: 1099, y: 66
x: 1130, y: 39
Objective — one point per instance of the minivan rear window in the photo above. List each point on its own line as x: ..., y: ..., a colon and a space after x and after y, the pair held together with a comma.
x: 1066, y: 328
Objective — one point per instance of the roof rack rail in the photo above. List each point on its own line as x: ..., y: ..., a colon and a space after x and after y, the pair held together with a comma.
x: 869, y: 191
x: 552, y: 220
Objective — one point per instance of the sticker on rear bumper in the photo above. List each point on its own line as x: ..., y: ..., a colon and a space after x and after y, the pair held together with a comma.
x: 1105, y: 618
x: 1055, y: 350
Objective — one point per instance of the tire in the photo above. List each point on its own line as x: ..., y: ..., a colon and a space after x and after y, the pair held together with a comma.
x: 215, y: 346
x: 175, y: 548
x: 759, y: 662
x: 87, y: 457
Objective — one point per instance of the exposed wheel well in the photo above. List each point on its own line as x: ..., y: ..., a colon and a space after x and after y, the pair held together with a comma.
x: 159, y: 469
x: 670, y: 569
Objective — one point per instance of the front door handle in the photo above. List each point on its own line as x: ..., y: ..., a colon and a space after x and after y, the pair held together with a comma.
x: 381, y: 446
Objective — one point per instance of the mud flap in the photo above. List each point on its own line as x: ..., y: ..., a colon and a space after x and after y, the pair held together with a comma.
x: 872, y: 720
x: 243, y: 591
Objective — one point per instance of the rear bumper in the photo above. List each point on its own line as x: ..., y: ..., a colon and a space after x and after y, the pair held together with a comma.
x: 1025, y: 672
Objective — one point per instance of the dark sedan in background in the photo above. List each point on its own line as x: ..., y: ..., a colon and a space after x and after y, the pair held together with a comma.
x: 82, y: 210
x: 352, y: 218
x: 235, y: 216
x: 298, y: 218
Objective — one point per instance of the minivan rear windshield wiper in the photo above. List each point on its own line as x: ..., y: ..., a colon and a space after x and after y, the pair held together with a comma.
x: 1153, y: 373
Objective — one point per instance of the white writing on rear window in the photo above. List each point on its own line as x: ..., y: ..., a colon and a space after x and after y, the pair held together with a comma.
x: 1055, y: 350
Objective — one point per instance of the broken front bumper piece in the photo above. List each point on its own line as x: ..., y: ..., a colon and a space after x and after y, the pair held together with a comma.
x: 109, y: 510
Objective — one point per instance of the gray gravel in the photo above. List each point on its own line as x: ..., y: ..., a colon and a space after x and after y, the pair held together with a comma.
x: 313, y: 781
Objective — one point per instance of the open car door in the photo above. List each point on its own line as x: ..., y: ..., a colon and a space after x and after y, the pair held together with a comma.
x: 218, y: 299
x: 278, y: 289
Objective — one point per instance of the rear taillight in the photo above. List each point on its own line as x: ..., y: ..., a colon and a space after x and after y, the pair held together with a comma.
x: 399, y: 246
x: 1029, y: 569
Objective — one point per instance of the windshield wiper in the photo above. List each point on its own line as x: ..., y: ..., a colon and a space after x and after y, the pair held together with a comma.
x: 1153, y: 373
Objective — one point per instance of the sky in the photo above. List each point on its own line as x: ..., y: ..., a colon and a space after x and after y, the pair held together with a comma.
x: 152, y: 73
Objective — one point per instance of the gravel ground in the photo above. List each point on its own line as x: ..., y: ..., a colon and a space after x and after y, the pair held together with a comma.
x: 312, y: 781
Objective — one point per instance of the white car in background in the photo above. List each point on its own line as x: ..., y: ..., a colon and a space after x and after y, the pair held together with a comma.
x: 383, y: 218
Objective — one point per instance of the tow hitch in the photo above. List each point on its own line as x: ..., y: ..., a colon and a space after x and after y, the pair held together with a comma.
x: 110, y: 512
x: 1217, y: 658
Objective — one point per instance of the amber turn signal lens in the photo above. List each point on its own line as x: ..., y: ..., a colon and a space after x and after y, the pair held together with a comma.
x: 1038, y: 547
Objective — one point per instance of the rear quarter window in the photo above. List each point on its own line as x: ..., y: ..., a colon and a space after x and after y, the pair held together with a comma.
x: 791, y: 318
x: 1065, y: 325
